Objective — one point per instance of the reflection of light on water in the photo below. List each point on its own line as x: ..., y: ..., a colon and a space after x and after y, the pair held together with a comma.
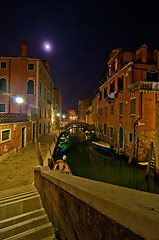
x: 72, y: 130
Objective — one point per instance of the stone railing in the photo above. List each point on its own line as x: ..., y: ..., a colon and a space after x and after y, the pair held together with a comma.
x: 147, y: 86
x: 85, y: 209
x: 13, y: 117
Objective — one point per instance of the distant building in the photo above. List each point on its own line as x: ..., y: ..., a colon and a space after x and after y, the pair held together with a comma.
x: 28, y: 78
x: 127, y: 101
x: 82, y: 106
x: 57, y: 108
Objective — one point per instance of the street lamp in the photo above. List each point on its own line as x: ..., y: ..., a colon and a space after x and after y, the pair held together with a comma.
x: 19, y: 100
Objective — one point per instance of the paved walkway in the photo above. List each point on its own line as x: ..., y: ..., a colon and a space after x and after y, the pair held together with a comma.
x: 18, y: 169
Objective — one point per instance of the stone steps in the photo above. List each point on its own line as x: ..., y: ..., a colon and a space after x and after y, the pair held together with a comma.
x: 22, y: 215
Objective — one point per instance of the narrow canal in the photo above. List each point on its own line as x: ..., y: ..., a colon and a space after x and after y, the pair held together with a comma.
x: 85, y: 161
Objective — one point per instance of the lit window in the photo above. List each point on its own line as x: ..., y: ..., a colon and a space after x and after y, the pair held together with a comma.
x: 30, y: 87
x: 3, y: 65
x: 5, y: 135
x: 30, y: 66
x: 2, y: 107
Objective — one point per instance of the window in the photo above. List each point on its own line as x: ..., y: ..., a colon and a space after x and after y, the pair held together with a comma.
x: 3, y: 85
x: 3, y: 65
x: 40, y: 112
x: 5, y: 135
x: 130, y: 137
x: 30, y: 87
x: 112, y: 87
x: 121, y: 108
x: 2, y: 107
x: 30, y: 66
x: 152, y: 76
x: 105, y: 128
x: 112, y: 110
x: 111, y: 131
x: 133, y: 106
x: 105, y: 92
x: 120, y: 83
x: 100, y: 95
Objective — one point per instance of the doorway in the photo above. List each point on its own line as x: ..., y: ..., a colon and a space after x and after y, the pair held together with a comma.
x: 33, y: 132
x: 23, y: 137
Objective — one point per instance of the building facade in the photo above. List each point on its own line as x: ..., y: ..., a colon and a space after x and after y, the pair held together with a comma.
x: 28, y: 78
x: 127, y: 101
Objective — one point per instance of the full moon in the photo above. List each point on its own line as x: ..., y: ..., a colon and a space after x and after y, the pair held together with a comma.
x: 47, y: 46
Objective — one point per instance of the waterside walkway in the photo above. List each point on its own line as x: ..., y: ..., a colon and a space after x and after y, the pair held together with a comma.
x: 18, y: 169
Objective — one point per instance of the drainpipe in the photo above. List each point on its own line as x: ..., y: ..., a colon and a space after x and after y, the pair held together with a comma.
x: 136, y: 122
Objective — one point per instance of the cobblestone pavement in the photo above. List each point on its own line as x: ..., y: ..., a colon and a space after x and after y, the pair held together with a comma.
x: 18, y: 169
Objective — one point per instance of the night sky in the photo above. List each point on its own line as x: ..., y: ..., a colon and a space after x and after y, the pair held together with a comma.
x: 82, y: 33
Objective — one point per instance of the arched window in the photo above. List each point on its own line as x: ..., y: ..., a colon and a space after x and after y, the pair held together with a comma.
x: 30, y: 87
x: 3, y: 85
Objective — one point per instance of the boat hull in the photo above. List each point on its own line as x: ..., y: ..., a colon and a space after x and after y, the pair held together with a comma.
x: 101, y: 146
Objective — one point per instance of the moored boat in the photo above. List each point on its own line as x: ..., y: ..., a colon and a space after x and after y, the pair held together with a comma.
x: 64, y: 145
x: 101, y: 145
x: 62, y: 166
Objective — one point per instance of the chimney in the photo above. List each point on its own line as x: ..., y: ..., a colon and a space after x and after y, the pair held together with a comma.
x: 24, y: 49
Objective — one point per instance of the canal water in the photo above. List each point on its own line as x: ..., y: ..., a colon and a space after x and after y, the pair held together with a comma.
x: 86, y: 161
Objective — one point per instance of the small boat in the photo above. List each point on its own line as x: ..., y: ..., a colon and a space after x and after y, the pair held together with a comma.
x: 63, y: 146
x: 101, y: 145
x: 62, y: 166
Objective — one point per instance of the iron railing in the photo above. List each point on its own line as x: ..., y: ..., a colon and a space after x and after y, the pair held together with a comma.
x: 147, y: 86
x: 13, y: 117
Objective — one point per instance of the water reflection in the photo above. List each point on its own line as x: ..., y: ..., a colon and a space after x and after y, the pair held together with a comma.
x: 85, y: 161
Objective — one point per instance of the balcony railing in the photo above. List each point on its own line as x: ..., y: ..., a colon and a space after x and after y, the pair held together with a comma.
x: 147, y: 86
x: 13, y: 117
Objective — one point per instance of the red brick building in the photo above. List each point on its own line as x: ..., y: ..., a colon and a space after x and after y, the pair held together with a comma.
x: 127, y: 100
x: 30, y: 79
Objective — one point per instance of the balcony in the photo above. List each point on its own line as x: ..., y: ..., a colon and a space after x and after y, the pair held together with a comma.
x: 144, y: 86
x: 13, y: 117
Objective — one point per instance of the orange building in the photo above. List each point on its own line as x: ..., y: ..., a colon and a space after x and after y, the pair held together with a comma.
x: 127, y: 100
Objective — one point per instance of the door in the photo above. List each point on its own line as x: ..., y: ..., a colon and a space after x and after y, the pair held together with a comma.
x: 121, y: 137
x: 33, y: 132
x: 23, y: 137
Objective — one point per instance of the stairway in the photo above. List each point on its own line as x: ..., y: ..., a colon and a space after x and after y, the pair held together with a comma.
x: 22, y: 215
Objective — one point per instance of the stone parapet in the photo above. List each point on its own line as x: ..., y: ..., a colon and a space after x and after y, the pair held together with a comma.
x: 86, y: 209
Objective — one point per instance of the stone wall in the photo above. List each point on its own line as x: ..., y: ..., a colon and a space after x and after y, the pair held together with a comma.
x: 88, y: 210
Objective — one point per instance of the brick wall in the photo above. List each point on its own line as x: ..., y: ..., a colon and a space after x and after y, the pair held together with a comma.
x: 12, y: 145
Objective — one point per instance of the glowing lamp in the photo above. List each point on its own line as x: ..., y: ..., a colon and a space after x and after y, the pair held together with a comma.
x: 19, y: 100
